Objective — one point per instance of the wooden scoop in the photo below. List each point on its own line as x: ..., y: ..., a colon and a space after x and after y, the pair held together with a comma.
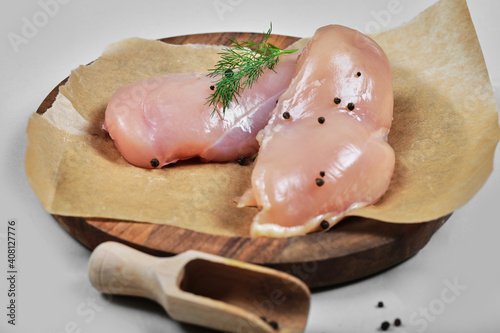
x: 204, y: 289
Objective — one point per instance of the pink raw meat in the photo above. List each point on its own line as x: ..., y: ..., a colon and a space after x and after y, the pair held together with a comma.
x: 165, y: 119
x: 325, y: 151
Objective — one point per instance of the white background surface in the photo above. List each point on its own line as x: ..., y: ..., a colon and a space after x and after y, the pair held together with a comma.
x: 54, y: 294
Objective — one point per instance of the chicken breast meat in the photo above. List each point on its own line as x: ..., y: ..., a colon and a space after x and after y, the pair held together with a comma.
x: 324, y: 151
x: 165, y: 119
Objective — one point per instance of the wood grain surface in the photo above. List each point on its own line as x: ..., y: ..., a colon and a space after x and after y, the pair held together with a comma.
x: 353, y: 249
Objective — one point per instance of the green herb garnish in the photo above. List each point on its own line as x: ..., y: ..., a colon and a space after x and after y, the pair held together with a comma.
x: 240, y: 66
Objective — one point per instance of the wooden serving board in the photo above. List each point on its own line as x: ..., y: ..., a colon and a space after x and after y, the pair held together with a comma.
x: 353, y: 249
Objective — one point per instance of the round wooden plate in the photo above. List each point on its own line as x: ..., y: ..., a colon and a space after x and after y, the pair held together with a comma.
x: 353, y: 249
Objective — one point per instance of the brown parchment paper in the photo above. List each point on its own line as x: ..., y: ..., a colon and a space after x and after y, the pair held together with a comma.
x: 444, y: 133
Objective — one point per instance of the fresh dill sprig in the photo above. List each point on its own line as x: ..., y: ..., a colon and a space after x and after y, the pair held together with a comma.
x: 239, y: 68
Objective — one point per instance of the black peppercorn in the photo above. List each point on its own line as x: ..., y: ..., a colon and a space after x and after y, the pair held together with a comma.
x: 286, y: 115
x: 273, y: 324
x: 228, y: 72
x: 322, y: 173
x: 319, y: 181
x: 336, y: 100
x: 324, y: 224
x: 212, y: 87
x: 385, y: 326
x: 155, y: 163
x: 358, y: 74
x: 241, y: 160
x: 321, y: 120
x: 350, y: 106
x: 397, y: 322
x: 380, y: 304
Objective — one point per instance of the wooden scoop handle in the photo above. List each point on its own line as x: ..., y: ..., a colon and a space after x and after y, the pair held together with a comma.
x: 115, y: 268
x: 202, y: 289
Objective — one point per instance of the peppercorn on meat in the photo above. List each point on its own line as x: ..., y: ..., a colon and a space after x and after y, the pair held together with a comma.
x: 325, y: 151
x: 164, y: 119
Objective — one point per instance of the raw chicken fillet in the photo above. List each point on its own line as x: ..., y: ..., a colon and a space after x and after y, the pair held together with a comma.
x: 165, y: 119
x: 325, y: 151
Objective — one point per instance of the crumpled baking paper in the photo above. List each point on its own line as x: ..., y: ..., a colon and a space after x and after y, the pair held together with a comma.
x: 444, y: 133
